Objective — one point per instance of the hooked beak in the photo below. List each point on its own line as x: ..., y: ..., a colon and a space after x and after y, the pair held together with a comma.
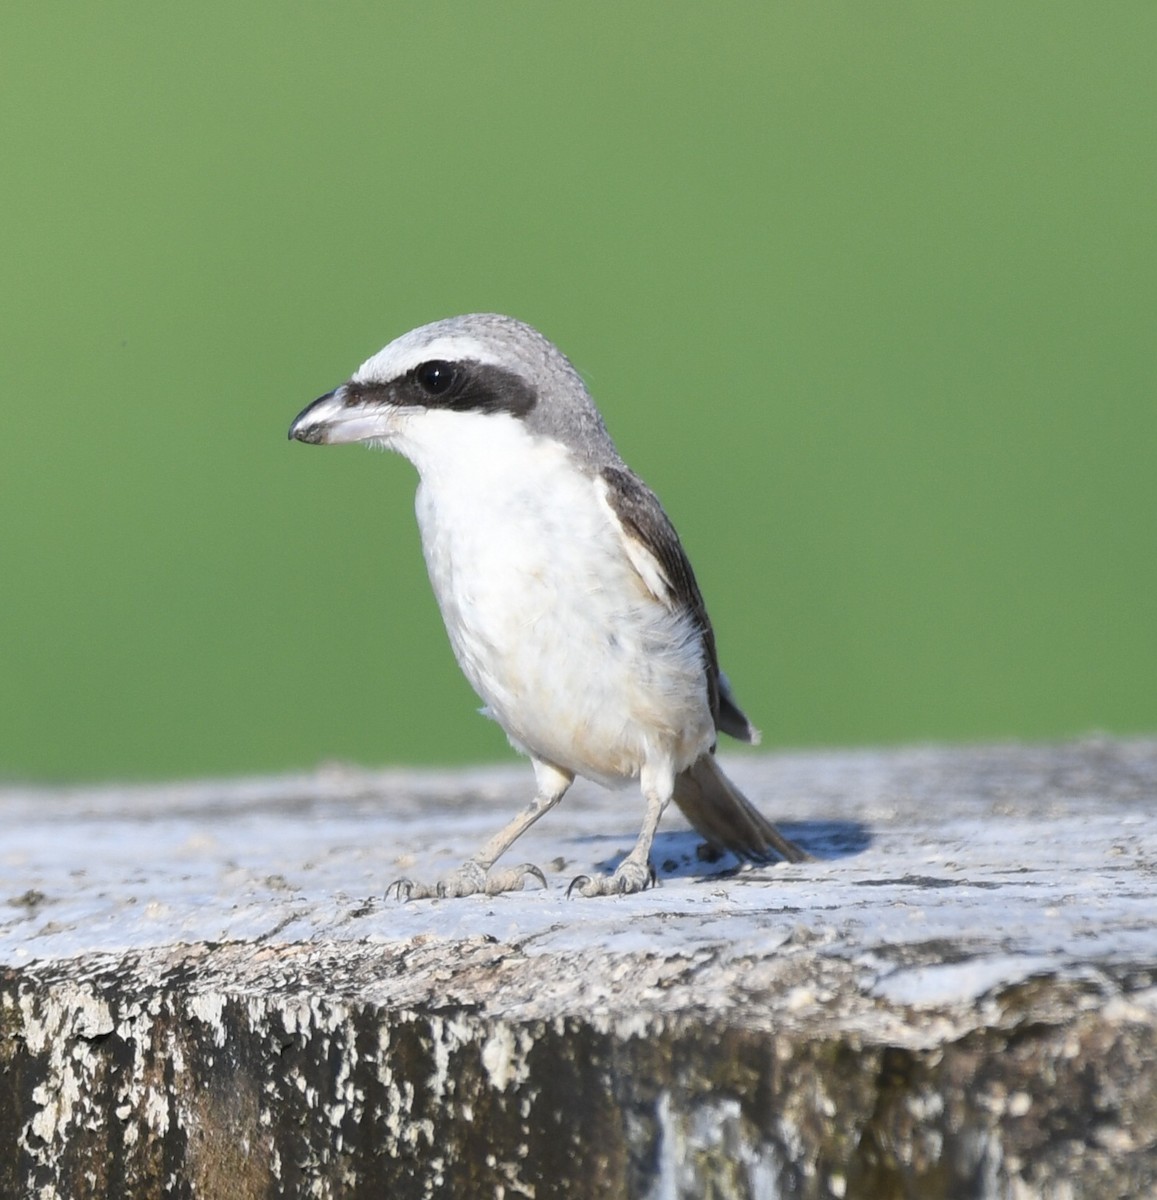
x: 343, y: 415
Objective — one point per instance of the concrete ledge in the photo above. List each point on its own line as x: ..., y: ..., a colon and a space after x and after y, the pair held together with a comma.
x: 203, y: 994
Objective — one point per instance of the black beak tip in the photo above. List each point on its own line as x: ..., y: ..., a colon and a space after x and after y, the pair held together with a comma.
x: 312, y: 435
x: 301, y: 431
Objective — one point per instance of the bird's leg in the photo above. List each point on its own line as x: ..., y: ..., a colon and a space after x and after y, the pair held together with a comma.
x: 635, y: 872
x: 475, y: 875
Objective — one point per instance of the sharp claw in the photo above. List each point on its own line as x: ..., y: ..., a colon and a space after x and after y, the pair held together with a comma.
x: 531, y: 870
x: 621, y: 883
x: 579, y: 881
x: 400, y: 889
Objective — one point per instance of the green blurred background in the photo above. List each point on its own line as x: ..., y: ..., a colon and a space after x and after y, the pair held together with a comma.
x: 867, y: 292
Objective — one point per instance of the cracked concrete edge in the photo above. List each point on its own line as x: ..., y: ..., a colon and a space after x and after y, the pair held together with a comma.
x: 270, y: 1071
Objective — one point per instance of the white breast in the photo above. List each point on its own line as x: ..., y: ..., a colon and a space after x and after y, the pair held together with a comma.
x: 549, y: 620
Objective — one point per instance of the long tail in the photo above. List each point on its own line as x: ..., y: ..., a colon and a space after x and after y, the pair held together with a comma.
x: 727, y: 819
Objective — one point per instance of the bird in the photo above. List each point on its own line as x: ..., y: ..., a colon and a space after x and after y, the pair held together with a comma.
x: 568, y: 599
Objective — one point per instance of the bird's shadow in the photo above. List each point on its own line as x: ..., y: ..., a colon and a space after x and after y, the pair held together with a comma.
x: 684, y: 854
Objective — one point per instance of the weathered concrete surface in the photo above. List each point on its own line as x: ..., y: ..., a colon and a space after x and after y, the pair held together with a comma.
x: 202, y: 992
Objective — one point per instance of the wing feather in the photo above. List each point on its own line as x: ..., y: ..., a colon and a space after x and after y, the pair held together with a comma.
x: 654, y: 550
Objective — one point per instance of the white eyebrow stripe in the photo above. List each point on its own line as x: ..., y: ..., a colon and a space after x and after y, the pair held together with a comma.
x: 404, y: 355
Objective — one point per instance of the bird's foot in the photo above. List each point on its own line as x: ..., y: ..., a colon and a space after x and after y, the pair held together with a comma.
x: 631, y: 876
x: 470, y: 879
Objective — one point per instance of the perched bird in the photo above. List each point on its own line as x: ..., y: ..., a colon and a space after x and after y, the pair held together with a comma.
x: 568, y: 599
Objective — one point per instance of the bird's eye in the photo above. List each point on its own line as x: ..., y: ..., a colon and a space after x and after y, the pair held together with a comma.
x: 435, y: 377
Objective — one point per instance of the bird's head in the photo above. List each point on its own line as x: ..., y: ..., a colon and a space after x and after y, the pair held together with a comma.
x: 479, y: 367
x: 460, y: 371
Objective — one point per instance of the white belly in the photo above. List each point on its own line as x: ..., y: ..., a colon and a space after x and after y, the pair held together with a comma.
x: 554, y: 628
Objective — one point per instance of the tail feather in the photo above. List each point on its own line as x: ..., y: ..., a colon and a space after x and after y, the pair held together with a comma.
x: 727, y: 819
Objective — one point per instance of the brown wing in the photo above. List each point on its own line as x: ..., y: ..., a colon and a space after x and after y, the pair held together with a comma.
x: 654, y: 547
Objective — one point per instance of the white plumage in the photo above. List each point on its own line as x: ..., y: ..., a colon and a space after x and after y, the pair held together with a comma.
x: 549, y: 619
